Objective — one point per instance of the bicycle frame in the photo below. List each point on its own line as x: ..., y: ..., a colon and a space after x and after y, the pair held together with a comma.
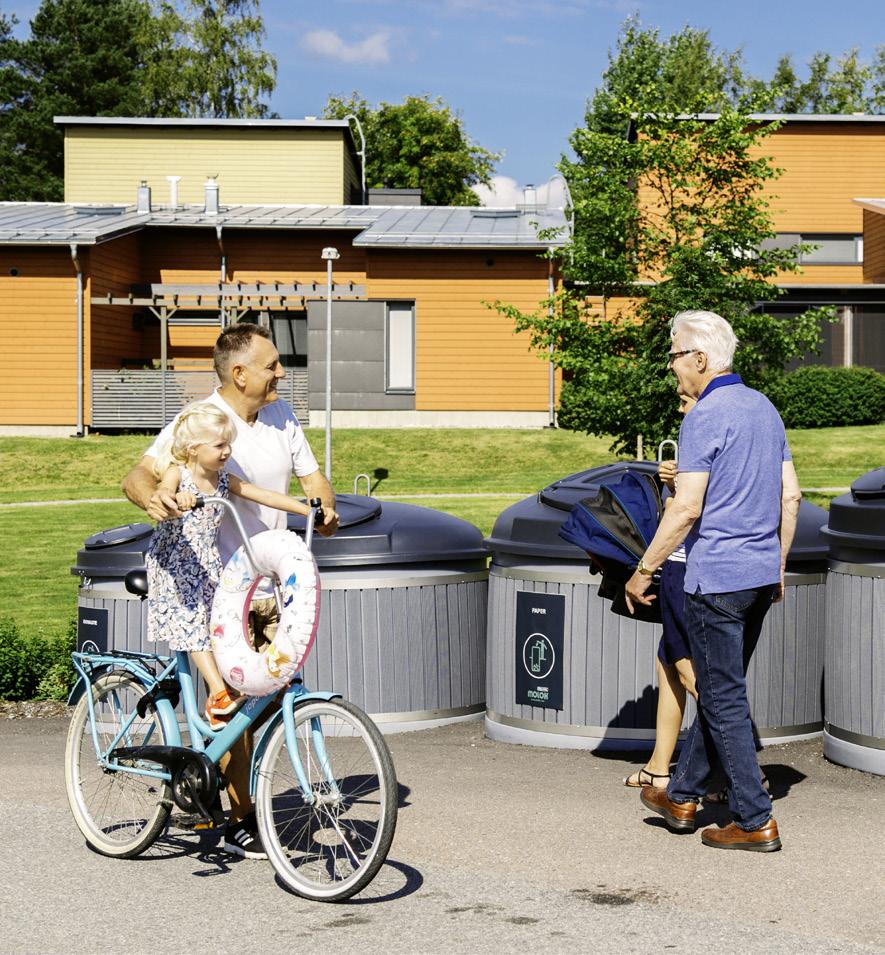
x: 140, y: 666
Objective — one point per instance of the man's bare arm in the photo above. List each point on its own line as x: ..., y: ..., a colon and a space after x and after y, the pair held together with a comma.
x: 791, y: 497
x: 142, y: 488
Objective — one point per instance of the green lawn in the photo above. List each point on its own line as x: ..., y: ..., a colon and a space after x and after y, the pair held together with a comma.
x: 407, y: 461
x: 40, y: 543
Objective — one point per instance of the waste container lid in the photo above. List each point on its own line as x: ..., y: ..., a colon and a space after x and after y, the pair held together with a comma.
x: 531, y: 526
x: 809, y: 544
x: 113, y: 552
x: 869, y: 486
x: 389, y: 532
x: 372, y: 532
x: 115, y: 536
x: 857, y: 519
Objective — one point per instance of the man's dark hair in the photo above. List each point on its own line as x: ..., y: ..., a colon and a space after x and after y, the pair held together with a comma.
x: 233, y: 343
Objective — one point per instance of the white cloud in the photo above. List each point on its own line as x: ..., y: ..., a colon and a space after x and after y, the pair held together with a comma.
x: 505, y: 192
x: 327, y: 43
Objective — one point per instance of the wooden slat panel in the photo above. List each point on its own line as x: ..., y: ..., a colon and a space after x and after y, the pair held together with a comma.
x: 132, y: 399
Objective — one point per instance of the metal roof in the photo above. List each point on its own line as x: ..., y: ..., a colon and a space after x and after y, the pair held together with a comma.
x: 155, y: 121
x: 47, y: 223
x: 799, y: 117
x: 874, y: 205
x: 58, y: 223
x: 461, y: 227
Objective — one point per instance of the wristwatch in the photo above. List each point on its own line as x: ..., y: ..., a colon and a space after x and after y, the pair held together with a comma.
x: 642, y: 569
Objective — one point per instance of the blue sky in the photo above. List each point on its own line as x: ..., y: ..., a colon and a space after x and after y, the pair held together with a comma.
x: 519, y: 71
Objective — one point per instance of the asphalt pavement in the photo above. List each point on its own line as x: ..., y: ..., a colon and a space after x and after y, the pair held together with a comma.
x: 499, y: 848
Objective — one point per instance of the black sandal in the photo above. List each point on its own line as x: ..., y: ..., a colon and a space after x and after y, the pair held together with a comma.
x: 649, y: 781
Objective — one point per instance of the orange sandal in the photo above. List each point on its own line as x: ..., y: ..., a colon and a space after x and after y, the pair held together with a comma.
x: 221, y: 706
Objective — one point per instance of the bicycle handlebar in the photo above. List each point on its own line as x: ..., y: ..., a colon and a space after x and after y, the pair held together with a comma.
x: 316, y: 513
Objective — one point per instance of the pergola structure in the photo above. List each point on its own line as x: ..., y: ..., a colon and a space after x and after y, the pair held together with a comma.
x: 233, y: 300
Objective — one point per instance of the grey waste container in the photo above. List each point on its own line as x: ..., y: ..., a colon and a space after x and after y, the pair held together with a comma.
x: 854, y: 675
x: 602, y: 681
x: 403, y: 613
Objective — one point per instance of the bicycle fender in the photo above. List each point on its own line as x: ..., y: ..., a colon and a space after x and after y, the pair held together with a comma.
x: 272, y: 724
x: 165, y: 710
x: 79, y: 687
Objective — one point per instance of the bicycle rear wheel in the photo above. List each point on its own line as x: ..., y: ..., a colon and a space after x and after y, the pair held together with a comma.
x: 327, y: 843
x: 120, y: 813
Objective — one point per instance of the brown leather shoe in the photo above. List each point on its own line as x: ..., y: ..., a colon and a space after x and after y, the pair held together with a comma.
x: 763, y: 839
x: 678, y: 815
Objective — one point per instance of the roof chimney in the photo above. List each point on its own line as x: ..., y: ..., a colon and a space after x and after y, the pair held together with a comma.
x: 173, y: 191
x: 143, y: 202
x: 210, y: 190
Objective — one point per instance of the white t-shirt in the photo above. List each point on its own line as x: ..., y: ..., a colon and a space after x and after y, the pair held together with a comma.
x: 266, y: 454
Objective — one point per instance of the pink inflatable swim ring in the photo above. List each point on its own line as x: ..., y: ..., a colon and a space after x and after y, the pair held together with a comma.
x: 285, y: 555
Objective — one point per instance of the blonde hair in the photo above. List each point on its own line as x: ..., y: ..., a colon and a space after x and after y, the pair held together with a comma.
x: 199, y: 423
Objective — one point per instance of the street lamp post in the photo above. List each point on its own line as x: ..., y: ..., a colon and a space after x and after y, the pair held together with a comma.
x: 551, y: 289
x: 329, y: 255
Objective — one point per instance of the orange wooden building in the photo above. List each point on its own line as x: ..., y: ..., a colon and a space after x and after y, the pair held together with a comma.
x: 98, y: 297
x: 118, y: 304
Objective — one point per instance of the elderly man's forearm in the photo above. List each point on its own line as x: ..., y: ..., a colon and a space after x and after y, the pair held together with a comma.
x: 789, y: 521
x: 674, y: 527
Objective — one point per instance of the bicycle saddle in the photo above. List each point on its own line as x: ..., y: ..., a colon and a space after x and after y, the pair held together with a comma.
x: 136, y: 582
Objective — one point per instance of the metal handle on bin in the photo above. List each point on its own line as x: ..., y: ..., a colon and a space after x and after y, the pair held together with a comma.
x: 661, y: 447
x: 356, y: 484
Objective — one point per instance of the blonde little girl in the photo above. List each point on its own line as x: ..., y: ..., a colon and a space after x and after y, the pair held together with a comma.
x: 183, y: 564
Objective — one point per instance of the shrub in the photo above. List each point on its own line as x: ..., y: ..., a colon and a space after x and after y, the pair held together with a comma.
x: 817, y: 396
x: 35, y: 667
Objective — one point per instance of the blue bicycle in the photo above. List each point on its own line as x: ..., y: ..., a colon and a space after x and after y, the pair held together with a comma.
x: 322, y: 777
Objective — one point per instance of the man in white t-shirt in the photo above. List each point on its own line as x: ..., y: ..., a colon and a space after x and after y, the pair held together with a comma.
x: 268, y: 448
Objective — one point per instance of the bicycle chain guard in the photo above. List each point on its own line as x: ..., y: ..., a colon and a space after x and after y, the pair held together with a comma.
x: 194, y: 776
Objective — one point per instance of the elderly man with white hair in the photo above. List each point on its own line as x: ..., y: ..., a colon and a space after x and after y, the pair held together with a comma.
x: 736, y: 507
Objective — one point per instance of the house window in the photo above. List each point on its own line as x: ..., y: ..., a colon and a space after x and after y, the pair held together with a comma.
x: 399, y: 338
x: 833, y: 249
x: 290, y: 336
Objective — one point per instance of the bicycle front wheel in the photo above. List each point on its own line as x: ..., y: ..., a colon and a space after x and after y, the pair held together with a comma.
x: 120, y: 813
x: 327, y: 841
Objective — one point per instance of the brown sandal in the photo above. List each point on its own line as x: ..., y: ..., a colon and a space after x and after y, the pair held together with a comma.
x: 648, y: 781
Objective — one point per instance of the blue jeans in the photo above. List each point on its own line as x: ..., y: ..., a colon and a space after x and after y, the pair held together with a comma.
x: 723, y: 630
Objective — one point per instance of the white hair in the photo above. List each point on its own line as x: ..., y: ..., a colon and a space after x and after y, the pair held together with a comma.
x: 199, y: 423
x: 706, y: 332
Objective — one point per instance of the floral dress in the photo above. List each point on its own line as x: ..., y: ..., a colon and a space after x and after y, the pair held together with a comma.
x: 183, y: 569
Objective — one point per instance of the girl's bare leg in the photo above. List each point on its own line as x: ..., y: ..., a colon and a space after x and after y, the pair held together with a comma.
x: 205, y: 661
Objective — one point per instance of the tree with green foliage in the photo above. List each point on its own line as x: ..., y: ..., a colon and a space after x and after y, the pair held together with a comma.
x: 672, y: 217
x: 207, y: 61
x: 683, y: 68
x: 121, y: 58
x: 421, y: 144
x: 82, y: 58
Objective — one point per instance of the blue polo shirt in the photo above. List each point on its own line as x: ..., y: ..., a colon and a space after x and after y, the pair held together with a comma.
x: 736, y: 436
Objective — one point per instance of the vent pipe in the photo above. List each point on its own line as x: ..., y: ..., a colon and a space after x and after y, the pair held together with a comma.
x: 210, y: 190
x: 173, y: 190
x: 143, y: 201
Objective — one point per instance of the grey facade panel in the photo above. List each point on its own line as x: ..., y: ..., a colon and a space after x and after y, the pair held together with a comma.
x: 358, y: 360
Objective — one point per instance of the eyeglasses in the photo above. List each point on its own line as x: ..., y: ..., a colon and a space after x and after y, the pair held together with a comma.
x: 673, y: 355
